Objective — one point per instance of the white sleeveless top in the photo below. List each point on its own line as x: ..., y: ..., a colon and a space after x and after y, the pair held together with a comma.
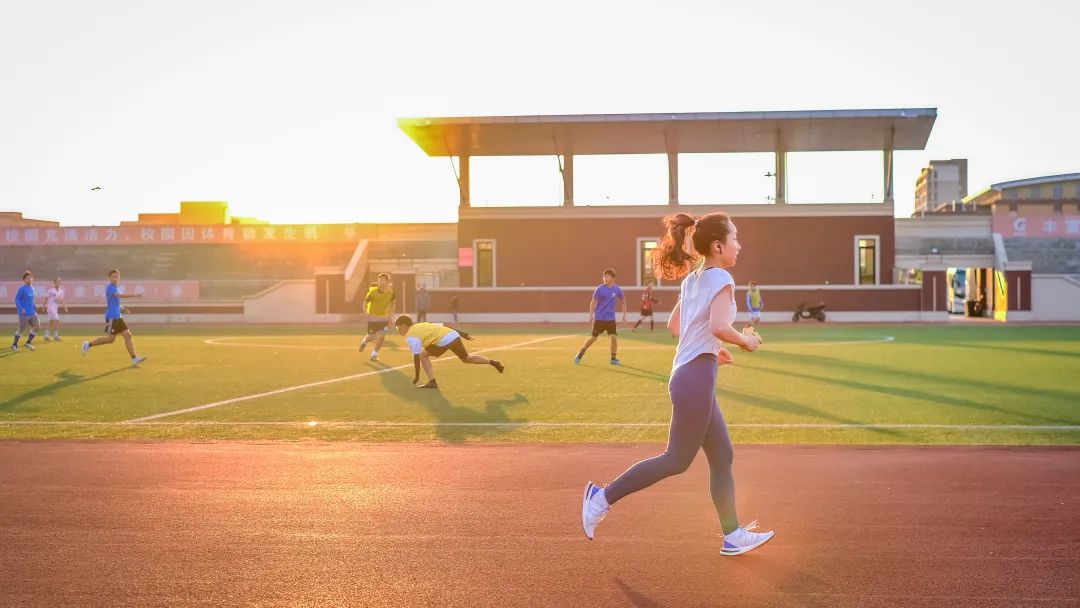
x: 699, y: 288
x: 53, y: 296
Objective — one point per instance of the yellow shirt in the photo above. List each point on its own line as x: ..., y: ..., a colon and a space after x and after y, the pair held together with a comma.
x: 378, y: 303
x: 755, y: 299
x: 424, y: 335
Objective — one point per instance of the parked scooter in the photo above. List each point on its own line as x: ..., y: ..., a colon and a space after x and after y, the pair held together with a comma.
x: 809, y: 312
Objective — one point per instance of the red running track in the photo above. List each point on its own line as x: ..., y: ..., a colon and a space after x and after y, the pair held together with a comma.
x: 220, y: 524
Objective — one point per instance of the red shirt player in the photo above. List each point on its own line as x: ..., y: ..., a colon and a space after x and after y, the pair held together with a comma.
x: 647, y: 301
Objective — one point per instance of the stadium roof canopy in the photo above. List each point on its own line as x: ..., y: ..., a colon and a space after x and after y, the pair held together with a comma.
x: 586, y: 134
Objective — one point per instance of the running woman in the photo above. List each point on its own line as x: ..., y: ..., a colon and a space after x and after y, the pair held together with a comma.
x: 114, y: 320
x: 378, y: 304
x: 54, y: 299
x: 754, y: 303
x: 427, y: 340
x: 647, y: 301
x: 702, y: 319
x: 602, y: 316
x: 27, y: 311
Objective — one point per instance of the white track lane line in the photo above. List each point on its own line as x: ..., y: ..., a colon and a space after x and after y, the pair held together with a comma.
x: 298, y: 387
x: 379, y: 423
x: 622, y: 347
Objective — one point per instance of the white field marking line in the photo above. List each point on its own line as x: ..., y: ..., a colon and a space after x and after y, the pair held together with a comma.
x: 622, y: 347
x: 378, y: 423
x: 298, y: 387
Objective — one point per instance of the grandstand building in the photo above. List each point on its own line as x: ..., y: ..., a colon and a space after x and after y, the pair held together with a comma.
x: 838, y: 253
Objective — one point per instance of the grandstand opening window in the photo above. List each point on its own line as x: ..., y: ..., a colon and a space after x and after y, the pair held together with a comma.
x: 428, y: 280
x: 1034, y: 193
x: 1059, y: 190
x: 484, y: 267
x: 1012, y: 194
x: 645, y: 246
x: 867, y: 259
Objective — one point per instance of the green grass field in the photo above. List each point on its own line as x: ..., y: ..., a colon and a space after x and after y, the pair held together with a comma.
x: 810, y: 383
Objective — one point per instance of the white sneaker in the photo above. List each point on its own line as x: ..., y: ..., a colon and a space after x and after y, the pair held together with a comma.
x: 14, y: 348
x: 56, y: 338
x: 743, y: 540
x: 47, y: 339
x: 594, y: 507
x: 29, y: 346
x: 85, y: 347
x: 137, y: 360
x: 374, y: 355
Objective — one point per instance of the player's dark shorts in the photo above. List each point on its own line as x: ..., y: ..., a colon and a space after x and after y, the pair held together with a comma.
x: 377, y: 326
x: 599, y: 327
x: 115, y: 326
x: 457, y: 347
x: 646, y: 312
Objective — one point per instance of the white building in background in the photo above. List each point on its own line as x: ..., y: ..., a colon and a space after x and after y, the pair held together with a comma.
x: 941, y: 184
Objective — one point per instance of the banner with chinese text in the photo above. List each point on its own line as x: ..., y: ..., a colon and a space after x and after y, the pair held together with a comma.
x: 85, y: 292
x: 170, y: 235
x: 1038, y: 226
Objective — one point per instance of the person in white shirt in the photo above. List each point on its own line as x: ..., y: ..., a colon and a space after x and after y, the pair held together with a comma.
x: 701, y: 251
x: 54, y: 299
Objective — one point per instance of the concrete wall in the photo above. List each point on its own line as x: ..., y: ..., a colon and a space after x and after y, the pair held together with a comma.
x: 572, y: 249
x: 1055, y: 298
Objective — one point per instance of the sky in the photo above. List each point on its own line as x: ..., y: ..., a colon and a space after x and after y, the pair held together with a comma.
x: 287, y: 110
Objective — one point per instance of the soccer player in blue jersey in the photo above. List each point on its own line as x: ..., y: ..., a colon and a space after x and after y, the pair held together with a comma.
x: 27, y: 311
x: 602, y: 315
x: 114, y: 319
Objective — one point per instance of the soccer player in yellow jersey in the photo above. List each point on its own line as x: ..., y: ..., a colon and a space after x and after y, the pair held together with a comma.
x: 754, y: 303
x: 427, y: 340
x: 378, y: 306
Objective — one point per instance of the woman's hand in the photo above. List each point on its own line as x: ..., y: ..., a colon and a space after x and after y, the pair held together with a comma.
x: 750, y: 343
x: 724, y: 357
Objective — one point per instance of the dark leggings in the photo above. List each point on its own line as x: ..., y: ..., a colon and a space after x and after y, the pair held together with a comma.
x: 696, y: 422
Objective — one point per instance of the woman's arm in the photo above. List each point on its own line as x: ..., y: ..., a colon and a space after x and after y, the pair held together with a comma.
x: 722, y: 315
x: 673, y: 320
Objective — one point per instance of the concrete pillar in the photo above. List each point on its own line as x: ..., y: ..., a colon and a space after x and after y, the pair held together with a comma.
x: 673, y: 177
x: 887, y: 159
x: 568, y: 180
x: 463, y: 181
x: 780, y: 175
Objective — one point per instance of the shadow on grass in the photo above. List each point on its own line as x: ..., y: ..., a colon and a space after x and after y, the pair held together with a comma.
x: 834, y: 363
x: 1008, y: 349
x: 455, y: 423
x: 65, y: 379
x: 906, y: 393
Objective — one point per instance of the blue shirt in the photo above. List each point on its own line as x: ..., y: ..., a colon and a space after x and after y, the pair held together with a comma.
x: 605, y: 301
x: 112, y: 302
x: 24, y: 300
